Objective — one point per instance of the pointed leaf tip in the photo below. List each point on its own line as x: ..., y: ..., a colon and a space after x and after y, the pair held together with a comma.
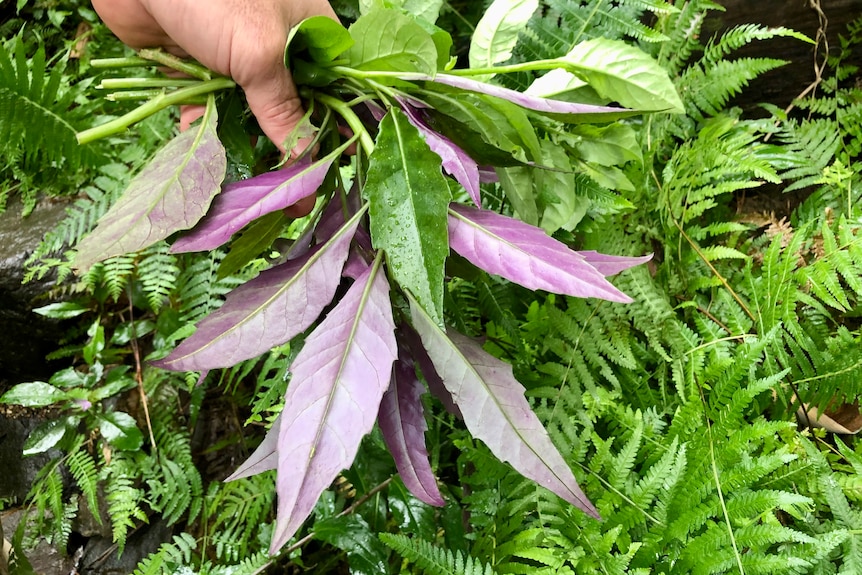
x: 402, y: 423
x: 337, y: 383
x: 495, y: 410
x: 526, y: 255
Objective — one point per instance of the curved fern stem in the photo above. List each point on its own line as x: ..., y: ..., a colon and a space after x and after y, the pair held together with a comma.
x: 157, y: 104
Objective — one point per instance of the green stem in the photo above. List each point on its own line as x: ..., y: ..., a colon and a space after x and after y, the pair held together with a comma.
x: 351, y: 118
x: 142, y: 83
x: 129, y: 95
x: 522, y: 67
x: 189, y: 68
x: 413, y: 76
x: 157, y: 104
x: 119, y: 62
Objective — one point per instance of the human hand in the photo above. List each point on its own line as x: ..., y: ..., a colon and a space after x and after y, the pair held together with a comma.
x: 242, y: 39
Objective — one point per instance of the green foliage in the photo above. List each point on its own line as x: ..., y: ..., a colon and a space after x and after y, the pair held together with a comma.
x: 434, y: 560
x: 39, y: 115
x: 675, y: 411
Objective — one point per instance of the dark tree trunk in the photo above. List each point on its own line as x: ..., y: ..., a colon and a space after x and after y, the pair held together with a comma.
x: 781, y: 86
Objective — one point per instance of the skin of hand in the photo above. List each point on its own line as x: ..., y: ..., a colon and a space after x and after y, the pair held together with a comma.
x: 242, y: 39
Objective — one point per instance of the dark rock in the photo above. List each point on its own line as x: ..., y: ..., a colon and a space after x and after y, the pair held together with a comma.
x: 101, y: 556
x: 19, y: 472
x: 45, y: 559
x: 25, y: 337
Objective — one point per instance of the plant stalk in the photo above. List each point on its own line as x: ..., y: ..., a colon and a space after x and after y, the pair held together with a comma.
x: 157, y: 104
x: 351, y: 118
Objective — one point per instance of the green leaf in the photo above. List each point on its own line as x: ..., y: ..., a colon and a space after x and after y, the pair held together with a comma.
x: 501, y: 124
x: 623, y: 73
x: 611, y: 145
x: 366, y: 554
x: 322, y: 37
x: 48, y: 434
x: 33, y: 394
x: 497, y: 32
x: 68, y: 378
x: 517, y: 183
x: 561, y: 207
x: 442, y: 42
x: 609, y: 177
x: 93, y: 349
x: 427, y: 10
x: 120, y: 430
x: 408, y: 198
x: 252, y: 242
x: 387, y: 40
x: 61, y: 310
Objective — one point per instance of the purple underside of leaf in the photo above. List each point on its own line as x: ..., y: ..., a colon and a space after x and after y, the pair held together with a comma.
x: 456, y: 162
x: 526, y: 255
x: 487, y: 175
x: 337, y: 383
x: 426, y: 366
x: 496, y: 411
x: 172, y: 192
x: 402, y: 423
x: 264, y: 458
x: 545, y: 105
x: 267, y: 311
x: 244, y: 201
x: 612, y: 265
x: 355, y: 266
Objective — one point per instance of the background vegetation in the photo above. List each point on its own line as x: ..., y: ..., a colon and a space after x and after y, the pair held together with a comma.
x: 677, y: 412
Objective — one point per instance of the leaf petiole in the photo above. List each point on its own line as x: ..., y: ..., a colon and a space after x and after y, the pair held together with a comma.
x: 141, y: 83
x: 192, y: 69
x: 157, y: 104
x: 129, y: 62
x: 351, y: 118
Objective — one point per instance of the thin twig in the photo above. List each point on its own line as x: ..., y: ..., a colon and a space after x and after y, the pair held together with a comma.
x: 139, y: 377
x: 819, y: 65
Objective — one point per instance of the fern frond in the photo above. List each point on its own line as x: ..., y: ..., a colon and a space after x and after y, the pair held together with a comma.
x: 123, y: 496
x: 158, y: 271
x: 35, y: 114
x: 236, y: 512
x: 434, y: 560
x: 199, y: 290
x: 169, y: 558
x: 82, y: 466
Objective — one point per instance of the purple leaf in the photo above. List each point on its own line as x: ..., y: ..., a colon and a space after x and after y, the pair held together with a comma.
x: 612, y: 265
x: 244, y: 201
x: 526, y: 255
x: 264, y: 457
x: 402, y: 422
x: 267, y: 311
x: 487, y: 175
x: 456, y: 162
x: 378, y: 112
x: 495, y: 409
x: 420, y: 356
x: 337, y: 383
x: 171, y: 193
x: 355, y: 266
x: 572, y: 112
